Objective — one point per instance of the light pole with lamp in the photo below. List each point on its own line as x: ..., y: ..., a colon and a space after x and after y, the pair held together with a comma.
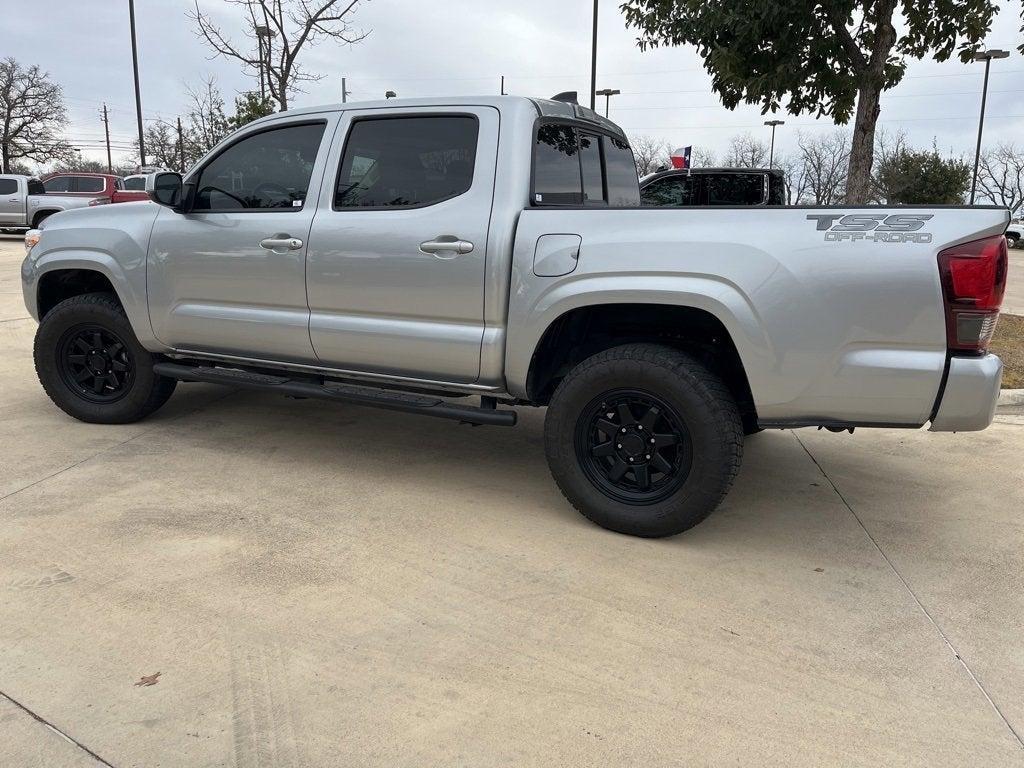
x: 607, y: 93
x: 986, y: 56
x: 263, y: 31
x: 771, y: 152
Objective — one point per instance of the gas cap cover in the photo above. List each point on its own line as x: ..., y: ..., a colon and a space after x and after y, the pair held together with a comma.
x: 556, y: 255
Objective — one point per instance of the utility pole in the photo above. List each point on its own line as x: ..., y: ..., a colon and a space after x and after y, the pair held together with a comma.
x: 138, y: 98
x: 987, y: 57
x: 502, y: 85
x: 181, y: 147
x: 106, y: 130
x: 593, y: 61
x: 345, y: 92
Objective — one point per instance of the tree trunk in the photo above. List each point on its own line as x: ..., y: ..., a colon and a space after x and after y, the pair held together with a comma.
x: 862, y: 152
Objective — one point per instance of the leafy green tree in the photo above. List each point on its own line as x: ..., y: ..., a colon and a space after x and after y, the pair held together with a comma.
x: 823, y: 58
x: 913, y: 177
x: 251, y: 106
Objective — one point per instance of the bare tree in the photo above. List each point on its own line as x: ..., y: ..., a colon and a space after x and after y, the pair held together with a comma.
x: 650, y: 154
x: 32, y: 116
x: 824, y: 161
x: 701, y: 157
x: 207, y: 122
x: 888, y: 146
x: 162, y: 146
x: 1001, y: 176
x: 290, y: 25
x: 746, y: 152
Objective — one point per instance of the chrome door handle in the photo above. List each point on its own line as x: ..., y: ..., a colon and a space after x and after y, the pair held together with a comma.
x: 281, y: 243
x: 446, y: 244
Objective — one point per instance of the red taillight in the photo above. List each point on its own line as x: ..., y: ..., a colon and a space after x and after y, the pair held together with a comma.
x: 973, y: 282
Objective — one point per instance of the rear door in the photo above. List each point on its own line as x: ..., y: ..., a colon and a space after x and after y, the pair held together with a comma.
x: 12, y: 202
x: 395, y: 269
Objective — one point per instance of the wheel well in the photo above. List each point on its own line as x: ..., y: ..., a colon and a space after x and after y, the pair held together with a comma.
x: 583, y: 332
x: 40, y: 215
x: 62, y: 284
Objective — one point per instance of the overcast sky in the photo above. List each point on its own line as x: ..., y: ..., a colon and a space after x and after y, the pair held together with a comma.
x: 463, y: 47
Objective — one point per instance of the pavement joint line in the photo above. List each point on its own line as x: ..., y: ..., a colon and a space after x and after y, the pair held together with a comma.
x: 906, y: 585
x: 112, y: 447
x: 14, y: 319
x: 58, y: 731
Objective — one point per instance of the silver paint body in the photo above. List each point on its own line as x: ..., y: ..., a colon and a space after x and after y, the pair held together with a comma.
x: 828, y: 332
x: 17, y: 210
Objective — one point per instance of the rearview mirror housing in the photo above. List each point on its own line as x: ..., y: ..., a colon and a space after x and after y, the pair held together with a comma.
x: 164, y: 188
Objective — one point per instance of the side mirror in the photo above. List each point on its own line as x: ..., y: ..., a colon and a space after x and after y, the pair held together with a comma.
x: 164, y: 188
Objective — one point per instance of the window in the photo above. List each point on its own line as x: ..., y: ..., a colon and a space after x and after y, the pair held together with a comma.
x: 669, y: 191
x: 402, y: 162
x: 58, y: 184
x: 88, y: 184
x: 734, y: 188
x: 135, y: 183
x: 35, y: 187
x: 557, y: 178
x: 8, y: 186
x: 266, y: 170
x: 620, y: 169
x: 590, y: 163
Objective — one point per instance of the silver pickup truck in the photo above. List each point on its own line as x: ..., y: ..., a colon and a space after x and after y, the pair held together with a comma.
x: 25, y: 203
x: 411, y: 254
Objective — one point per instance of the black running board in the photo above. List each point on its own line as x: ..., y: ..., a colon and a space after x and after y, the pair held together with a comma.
x: 347, y: 393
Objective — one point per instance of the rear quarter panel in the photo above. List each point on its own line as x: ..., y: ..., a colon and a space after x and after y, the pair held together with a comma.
x: 828, y: 330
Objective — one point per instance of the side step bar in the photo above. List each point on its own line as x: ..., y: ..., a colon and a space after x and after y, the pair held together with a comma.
x: 348, y: 393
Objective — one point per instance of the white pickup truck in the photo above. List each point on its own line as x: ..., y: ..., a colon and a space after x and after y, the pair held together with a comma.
x: 410, y: 254
x: 25, y: 203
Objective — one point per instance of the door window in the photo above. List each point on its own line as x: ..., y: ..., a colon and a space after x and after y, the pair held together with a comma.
x: 35, y: 187
x: 670, y: 191
x: 88, y: 184
x: 406, y: 162
x: 266, y: 170
x: 8, y: 186
x: 58, y: 184
x: 734, y: 188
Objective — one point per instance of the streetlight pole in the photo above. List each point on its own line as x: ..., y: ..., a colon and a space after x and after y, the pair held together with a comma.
x: 263, y: 32
x: 138, y: 98
x: 608, y: 93
x: 593, y: 61
x: 986, y: 56
x: 771, y: 152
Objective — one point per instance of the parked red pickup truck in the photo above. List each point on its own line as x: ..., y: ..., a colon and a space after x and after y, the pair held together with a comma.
x: 92, y: 185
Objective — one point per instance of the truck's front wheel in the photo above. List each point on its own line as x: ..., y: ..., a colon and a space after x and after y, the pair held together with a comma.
x: 92, y: 366
x: 644, y: 440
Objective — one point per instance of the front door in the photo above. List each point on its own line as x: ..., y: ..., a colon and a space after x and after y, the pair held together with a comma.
x: 229, y: 277
x: 12, y: 203
x: 395, y: 270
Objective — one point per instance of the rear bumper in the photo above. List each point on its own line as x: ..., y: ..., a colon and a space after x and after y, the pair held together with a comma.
x: 969, y: 399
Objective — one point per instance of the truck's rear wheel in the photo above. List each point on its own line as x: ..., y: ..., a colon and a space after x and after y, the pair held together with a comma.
x: 92, y: 366
x: 643, y: 440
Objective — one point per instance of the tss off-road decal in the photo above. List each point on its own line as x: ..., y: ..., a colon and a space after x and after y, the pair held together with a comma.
x: 876, y: 227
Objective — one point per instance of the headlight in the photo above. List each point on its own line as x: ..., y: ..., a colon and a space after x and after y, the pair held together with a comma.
x: 31, y: 238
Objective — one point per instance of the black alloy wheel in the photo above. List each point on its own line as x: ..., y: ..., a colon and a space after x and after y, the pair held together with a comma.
x: 95, y: 363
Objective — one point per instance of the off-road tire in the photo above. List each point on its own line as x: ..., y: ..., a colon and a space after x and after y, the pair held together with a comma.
x: 142, y: 394
x: 700, y: 401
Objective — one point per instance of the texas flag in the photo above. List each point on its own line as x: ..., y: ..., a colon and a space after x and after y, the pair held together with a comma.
x: 681, y: 157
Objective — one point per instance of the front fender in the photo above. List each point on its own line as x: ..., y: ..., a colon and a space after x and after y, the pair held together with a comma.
x: 528, y: 321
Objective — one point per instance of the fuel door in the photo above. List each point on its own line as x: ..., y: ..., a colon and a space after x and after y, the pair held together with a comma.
x: 556, y: 255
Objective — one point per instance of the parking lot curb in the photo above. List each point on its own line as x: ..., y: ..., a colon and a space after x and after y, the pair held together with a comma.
x: 1011, y: 397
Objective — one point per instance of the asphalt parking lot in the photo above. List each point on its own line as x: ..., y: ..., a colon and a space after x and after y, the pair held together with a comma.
x: 304, y: 584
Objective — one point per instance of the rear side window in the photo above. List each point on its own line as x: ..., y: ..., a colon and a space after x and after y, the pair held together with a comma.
x: 35, y: 187
x: 8, y: 186
x: 593, y: 173
x: 669, y: 192
x: 135, y: 183
x: 89, y: 183
x: 404, y: 162
x: 557, y: 178
x: 620, y: 170
x: 734, y: 188
x: 266, y: 170
x: 58, y: 184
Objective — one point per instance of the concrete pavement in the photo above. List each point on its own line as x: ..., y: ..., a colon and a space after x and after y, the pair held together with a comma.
x: 336, y: 586
x: 1013, y: 301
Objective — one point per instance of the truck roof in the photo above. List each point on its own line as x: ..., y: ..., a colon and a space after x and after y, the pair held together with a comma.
x: 539, y: 107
